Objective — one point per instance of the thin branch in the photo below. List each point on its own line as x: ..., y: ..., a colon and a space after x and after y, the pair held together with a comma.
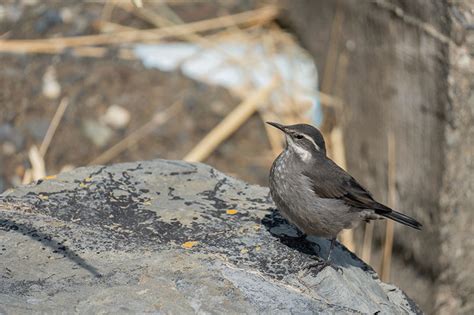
x: 37, y: 163
x: 331, y: 60
x: 338, y: 155
x: 259, y: 16
x: 53, y: 126
x: 159, y: 21
x: 230, y: 123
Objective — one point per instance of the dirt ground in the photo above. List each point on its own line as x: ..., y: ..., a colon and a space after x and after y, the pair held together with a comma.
x: 94, y: 84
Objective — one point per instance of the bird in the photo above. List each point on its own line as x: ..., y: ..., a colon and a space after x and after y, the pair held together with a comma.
x: 316, y: 195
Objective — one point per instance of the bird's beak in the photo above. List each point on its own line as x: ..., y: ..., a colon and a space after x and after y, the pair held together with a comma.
x: 277, y: 125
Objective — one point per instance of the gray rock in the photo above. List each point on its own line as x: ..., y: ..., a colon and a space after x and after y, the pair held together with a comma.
x: 157, y: 237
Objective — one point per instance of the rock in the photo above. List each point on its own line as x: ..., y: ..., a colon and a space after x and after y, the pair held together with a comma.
x: 170, y: 237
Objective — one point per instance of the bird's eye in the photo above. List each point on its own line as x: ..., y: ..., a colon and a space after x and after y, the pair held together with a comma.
x: 299, y: 137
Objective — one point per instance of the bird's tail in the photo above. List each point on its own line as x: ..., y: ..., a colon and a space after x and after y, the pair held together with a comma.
x: 402, y: 218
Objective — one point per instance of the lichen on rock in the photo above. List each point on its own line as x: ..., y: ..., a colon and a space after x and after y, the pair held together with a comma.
x: 171, y: 237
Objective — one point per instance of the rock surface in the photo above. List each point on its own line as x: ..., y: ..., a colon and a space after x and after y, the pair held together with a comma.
x: 169, y: 237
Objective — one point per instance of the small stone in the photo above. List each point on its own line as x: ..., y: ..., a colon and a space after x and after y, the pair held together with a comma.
x: 350, y: 45
x: 66, y: 15
x: 116, y: 117
x: 8, y: 148
x: 51, y: 87
x: 97, y: 132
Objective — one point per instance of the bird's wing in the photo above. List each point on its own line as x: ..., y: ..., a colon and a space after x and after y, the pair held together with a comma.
x: 331, y: 181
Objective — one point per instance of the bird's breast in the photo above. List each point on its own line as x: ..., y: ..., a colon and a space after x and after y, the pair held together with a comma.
x: 293, y: 195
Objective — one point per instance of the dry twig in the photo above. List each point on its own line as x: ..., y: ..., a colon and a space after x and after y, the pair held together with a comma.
x: 331, y: 59
x: 109, y: 27
x: 107, y: 10
x: 38, y: 170
x: 338, y: 155
x: 274, y: 135
x: 35, y: 155
x: 159, y: 21
x: 230, y: 123
x: 259, y: 16
x: 53, y: 126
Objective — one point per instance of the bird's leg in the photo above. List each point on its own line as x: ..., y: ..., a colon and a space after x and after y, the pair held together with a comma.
x: 327, y: 262
x: 331, y: 247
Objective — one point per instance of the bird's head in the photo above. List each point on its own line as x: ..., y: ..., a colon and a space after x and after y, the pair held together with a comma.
x: 302, y: 139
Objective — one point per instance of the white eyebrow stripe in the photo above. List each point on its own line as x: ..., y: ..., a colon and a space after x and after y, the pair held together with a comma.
x: 312, y: 141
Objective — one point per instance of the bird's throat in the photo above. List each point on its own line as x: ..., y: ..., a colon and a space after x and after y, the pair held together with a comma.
x: 300, y: 152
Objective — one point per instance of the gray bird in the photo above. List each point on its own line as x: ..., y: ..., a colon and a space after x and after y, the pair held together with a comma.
x: 315, y: 194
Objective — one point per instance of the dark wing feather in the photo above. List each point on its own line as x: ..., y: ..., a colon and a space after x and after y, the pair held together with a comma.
x: 331, y: 181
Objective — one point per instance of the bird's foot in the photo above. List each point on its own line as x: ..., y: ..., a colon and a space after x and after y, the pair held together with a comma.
x: 319, y: 265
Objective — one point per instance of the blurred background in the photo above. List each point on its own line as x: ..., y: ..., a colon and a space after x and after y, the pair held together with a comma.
x: 389, y: 83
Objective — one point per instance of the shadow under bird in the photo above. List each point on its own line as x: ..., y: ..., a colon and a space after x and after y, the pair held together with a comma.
x: 315, y: 194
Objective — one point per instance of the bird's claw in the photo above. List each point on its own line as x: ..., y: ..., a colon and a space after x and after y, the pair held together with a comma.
x: 320, y: 265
